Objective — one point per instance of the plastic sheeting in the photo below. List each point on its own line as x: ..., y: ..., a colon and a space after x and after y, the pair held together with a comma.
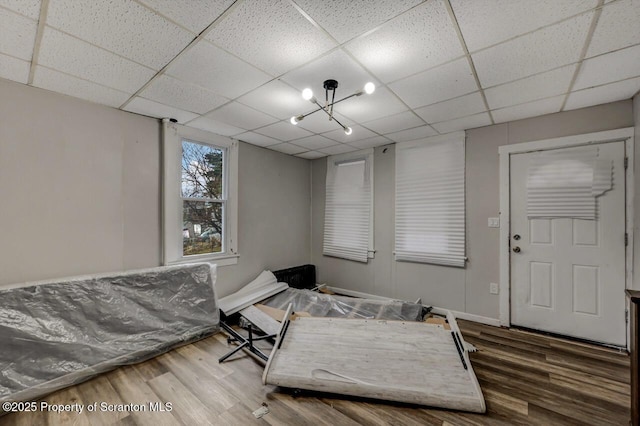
x: 325, y: 305
x: 60, y: 333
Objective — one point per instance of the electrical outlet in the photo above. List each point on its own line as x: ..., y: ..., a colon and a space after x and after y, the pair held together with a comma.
x: 493, y: 288
x: 494, y: 222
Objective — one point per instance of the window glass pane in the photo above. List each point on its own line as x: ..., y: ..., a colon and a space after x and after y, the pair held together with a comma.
x: 201, y: 227
x: 202, y: 171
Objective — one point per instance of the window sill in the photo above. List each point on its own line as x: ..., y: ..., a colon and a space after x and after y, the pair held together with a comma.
x: 219, y: 260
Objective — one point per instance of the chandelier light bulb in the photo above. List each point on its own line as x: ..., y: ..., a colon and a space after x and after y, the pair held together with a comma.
x: 294, y: 120
x: 369, y: 88
x: 348, y: 131
x: 307, y: 94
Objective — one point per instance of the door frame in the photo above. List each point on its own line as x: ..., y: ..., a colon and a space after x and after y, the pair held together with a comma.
x: 505, y: 152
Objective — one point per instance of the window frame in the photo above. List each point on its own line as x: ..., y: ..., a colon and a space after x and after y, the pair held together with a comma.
x: 173, y: 135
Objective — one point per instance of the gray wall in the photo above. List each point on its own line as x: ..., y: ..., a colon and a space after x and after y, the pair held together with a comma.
x: 80, y: 194
x: 636, y: 195
x: 458, y: 289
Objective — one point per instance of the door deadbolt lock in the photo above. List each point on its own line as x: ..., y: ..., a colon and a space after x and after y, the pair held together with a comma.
x: 516, y: 237
x: 516, y: 249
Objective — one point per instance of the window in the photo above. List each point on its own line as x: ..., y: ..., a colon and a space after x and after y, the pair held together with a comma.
x: 200, y: 196
x: 430, y: 201
x: 348, y: 221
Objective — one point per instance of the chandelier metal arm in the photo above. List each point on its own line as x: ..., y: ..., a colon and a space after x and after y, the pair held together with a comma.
x: 330, y: 116
x: 330, y: 105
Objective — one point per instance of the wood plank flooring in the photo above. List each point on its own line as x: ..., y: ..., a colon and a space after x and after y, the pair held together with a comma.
x: 526, y: 379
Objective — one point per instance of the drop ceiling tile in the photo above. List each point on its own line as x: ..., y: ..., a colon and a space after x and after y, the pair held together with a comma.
x: 421, y: 38
x: 543, y: 50
x: 257, y: 139
x: 318, y: 122
x: 213, y: 126
x: 531, y: 109
x: 28, y: 8
x: 314, y: 142
x: 438, y: 84
x: 277, y: 99
x: 618, y: 27
x: 211, y: 67
x: 539, y: 86
x: 76, y: 57
x: 608, y: 68
x: 371, y: 142
x: 283, y: 131
x: 464, y: 123
x: 371, y: 107
x: 412, y: 134
x: 603, y: 94
x: 311, y: 155
x: 17, y: 35
x: 14, y: 69
x: 338, y: 66
x: 394, y: 123
x: 452, y: 109
x: 62, y: 83
x: 121, y: 26
x: 345, y: 19
x: 241, y: 116
x: 288, y: 148
x: 484, y: 23
x: 189, y: 97
x: 342, y: 148
x: 154, y: 109
x: 193, y: 15
x: 272, y: 35
x: 358, y: 132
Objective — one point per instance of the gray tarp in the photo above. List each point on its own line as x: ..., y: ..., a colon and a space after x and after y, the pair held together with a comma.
x: 59, y: 333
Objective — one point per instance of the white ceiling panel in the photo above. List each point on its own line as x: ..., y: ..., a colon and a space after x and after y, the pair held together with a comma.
x: 345, y: 19
x: 193, y: 15
x: 76, y: 57
x: 454, y: 108
x: 62, y: 83
x: 412, y: 134
x: 394, y: 123
x: 277, y: 99
x: 618, y: 27
x: 421, y: 38
x: 315, y: 142
x: 464, y: 123
x: 543, y: 50
x: 438, y: 84
x: 602, y: 94
x: 189, y: 97
x: 358, y: 132
x: 257, y: 139
x: 342, y: 148
x: 371, y: 142
x: 532, y: 109
x: 539, y: 86
x: 214, y: 126
x: 28, y: 8
x: 311, y: 155
x: 485, y: 23
x: 288, y: 148
x: 338, y: 66
x: 608, y: 68
x: 283, y: 131
x: 371, y: 107
x: 121, y: 26
x: 17, y: 35
x: 318, y: 122
x: 272, y: 35
x: 242, y: 116
x: 155, y: 109
x: 14, y: 69
x: 211, y: 67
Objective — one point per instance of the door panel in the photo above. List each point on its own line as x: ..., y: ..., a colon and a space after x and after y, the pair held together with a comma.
x: 568, y: 276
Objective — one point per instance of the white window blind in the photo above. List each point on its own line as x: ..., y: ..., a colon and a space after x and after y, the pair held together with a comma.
x: 348, y: 207
x: 430, y: 201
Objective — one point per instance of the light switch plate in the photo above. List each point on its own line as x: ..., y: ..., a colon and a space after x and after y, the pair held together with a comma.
x: 494, y: 222
x: 493, y: 288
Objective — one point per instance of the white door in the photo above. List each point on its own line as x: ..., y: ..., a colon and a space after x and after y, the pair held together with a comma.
x: 568, y: 275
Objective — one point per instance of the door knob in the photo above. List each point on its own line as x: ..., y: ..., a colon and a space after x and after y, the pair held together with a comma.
x: 516, y: 249
x: 516, y: 237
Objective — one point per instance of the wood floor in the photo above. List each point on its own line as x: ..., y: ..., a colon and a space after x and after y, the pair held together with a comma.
x: 526, y: 379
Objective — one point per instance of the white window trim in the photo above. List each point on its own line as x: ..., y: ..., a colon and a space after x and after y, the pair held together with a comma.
x: 172, y: 135
x: 367, y: 156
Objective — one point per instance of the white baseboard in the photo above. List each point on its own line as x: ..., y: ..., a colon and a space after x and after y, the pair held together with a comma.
x: 436, y: 310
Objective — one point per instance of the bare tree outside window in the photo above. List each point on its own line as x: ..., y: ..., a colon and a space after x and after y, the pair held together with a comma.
x: 203, y: 198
